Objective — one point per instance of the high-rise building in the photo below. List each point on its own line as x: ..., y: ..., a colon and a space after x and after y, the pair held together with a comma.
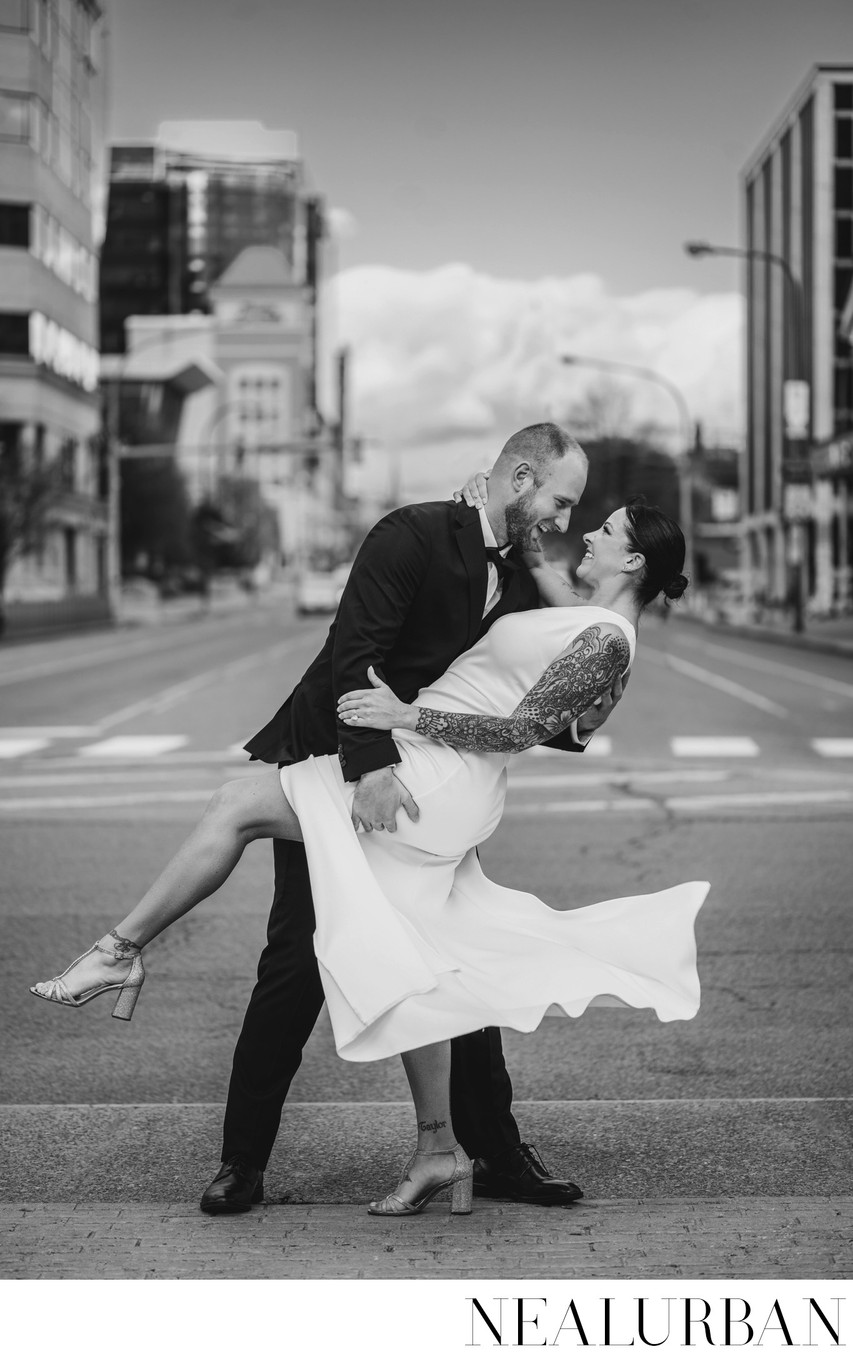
x: 51, y: 141
x: 181, y: 209
x: 799, y: 240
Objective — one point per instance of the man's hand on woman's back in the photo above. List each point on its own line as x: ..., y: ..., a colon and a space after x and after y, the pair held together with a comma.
x: 379, y: 796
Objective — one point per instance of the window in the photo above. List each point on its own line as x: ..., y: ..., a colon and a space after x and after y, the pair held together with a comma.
x: 844, y: 96
x: 843, y: 187
x: 14, y: 117
x: 13, y: 14
x: 70, y: 546
x: 14, y: 333
x: 843, y: 139
x: 843, y: 238
x: 15, y: 224
x: 10, y: 446
x: 67, y: 461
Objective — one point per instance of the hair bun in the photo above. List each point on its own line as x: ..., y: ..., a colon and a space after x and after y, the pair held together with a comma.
x: 676, y: 588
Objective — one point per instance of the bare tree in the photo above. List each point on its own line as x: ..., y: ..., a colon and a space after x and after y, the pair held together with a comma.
x: 29, y: 488
x: 603, y: 413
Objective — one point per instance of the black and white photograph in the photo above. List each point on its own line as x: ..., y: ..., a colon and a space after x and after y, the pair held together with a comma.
x: 426, y: 676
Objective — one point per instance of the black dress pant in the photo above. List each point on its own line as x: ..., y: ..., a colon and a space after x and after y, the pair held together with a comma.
x: 282, y: 1011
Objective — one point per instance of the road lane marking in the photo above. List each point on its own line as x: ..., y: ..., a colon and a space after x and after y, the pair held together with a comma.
x: 583, y: 781
x: 105, y: 801
x: 723, y: 683
x: 674, y: 804
x: 599, y: 745
x: 49, y: 731
x: 626, y: 805
x: 128, y: 648
x: 93, y: 658
x: 122, y: 776
x: 20, y: 747
x: 769, y: 799
x: 135, y: 745
x: 714, y: 747
x: 759, y: 664
x: 164, y: 699
x: 197, y: 766
x: 833, y: 747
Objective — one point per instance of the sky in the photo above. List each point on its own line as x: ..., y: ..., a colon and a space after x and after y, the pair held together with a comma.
x: 509, y: 180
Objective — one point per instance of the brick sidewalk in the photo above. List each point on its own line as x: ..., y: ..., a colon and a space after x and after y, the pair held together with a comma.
x: 797, y: 1238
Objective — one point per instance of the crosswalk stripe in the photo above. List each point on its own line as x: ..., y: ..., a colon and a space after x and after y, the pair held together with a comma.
x: 599, y: 745
x: 135, y: 745
x: 833, y: 747
x: 168, y: 748
x: 20, y: 747
x: 714, y: 747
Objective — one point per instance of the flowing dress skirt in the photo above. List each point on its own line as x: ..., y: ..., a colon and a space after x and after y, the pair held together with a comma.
x: 416, y: 945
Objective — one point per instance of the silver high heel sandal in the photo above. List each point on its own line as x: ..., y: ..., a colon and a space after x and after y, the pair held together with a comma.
x: 57, y: 991
x: 458, y: 1189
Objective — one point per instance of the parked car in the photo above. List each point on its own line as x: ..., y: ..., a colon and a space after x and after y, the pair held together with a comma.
x: 317, y: 593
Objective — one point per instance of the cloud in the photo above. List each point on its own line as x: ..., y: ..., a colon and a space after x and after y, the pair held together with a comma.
x: 448, y: 360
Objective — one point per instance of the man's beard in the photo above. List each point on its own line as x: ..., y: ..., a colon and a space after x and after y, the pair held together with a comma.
x: 521, y: 523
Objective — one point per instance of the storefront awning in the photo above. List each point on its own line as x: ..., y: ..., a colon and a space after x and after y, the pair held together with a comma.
x: 188, y: 374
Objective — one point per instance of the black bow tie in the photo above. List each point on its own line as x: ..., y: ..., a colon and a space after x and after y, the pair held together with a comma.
x: 504, y: 566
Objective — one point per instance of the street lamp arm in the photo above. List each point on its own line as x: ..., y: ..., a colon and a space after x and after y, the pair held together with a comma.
x: 641, y: 371
x: 795, y: 307
x: 700, y: 248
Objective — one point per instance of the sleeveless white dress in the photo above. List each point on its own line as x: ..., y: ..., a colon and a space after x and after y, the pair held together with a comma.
x: 414, y: 943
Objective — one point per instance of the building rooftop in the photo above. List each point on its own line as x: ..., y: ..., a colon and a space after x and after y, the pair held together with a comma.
x: 816, y: 73
x: 228, y: 139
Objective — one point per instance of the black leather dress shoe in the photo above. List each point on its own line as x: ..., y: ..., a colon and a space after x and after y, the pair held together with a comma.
x: 238, y: 1186
x: 520, y: 1175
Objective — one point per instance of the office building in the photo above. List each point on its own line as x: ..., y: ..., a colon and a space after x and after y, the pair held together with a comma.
x: 228, y: 395
x: 181, y: 209
x: 795, y: 479
x: 51, y: 97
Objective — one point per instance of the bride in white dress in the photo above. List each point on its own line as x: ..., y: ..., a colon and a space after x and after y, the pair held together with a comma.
x: 415, y: 945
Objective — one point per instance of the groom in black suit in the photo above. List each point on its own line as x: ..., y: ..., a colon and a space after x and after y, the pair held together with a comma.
x: 428, y: 581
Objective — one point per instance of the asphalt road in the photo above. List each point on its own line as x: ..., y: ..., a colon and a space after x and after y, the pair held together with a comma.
x: 728, y: 760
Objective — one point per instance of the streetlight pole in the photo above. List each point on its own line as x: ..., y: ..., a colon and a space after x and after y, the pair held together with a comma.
x: 792, y: 466
x: 685, y: 485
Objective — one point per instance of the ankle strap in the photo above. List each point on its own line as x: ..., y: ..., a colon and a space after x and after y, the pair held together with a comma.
x: 124, y: 948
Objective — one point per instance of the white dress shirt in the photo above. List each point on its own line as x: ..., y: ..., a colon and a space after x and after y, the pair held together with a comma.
x: 494, y: 585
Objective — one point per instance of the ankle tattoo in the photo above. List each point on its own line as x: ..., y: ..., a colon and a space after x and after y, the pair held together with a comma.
x: 124, y: 948
x: 431, y: 1126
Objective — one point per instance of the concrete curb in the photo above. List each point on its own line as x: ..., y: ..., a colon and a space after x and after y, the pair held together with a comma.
x: 801, y: 1238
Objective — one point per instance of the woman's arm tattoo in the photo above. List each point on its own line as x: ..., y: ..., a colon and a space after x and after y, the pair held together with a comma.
x: 564, y: 691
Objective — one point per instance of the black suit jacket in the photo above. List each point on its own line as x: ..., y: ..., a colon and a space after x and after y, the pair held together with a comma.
x: 413, y: 603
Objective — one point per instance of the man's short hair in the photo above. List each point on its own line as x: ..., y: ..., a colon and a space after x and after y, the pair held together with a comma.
x: 541, y: 445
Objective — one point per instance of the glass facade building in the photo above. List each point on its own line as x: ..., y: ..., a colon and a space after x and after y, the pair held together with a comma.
x: 798, y: 202
x: 179, y: 214
x: 51, y: 100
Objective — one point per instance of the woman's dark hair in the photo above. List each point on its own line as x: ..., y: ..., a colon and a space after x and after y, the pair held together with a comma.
x: 657, y: 537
